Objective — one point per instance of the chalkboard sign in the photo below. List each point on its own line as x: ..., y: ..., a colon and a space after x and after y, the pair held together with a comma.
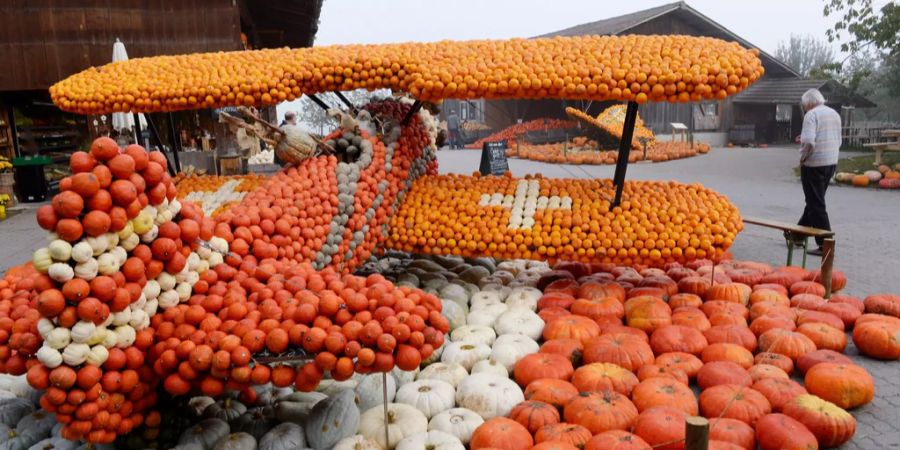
x: 493, y: 158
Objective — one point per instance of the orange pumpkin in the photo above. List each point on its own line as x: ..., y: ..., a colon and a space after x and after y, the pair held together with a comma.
x: 616, y: 440
x: 96, y: 223
x: 846, y: 385
x: 604, y: 376
x: 734, y: 401
x: 104, y: 148
x: 601, y: 411
x: 571, y: 327
x: 67, y: 204
x: 778, y: 391
x: 778, y: 431
x: 568, y: 433
x: 717, y: 373
x: 502, y: 434
x: 661, y: 427
x: 659, y: 391
x: 734, y: 431
x: 625, y: 350
x: 534, y: 414
x: 677, y: 338
x: 69, y: 230
x: 85, y: 184
x: 829, y: 423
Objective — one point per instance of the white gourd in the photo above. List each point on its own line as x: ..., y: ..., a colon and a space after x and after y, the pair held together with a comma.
x: 98, y: 244
x: 122, y: 317
x: 97, y: 356
x: 168, y: 299
x: 454, y: 313
x: 152, y: 289
x: 458, y: 422
x: 45, y: 326
x: 139, y: 303
x: 404, y: 376
x: 130, y: 242
x: 151, y: 235
x: 451, y: 373
x: 488, y: 395
x: 42, y: 260
x: 525, y: 297
x: 184, y: 291
x: 82, y: 252
x: 99, y: 335
x: 428, y: 396
x: 82, y: 331
x: 465, y: 354
x: 484, y: 298
x: 520, y: 321
x: 357, y: 442
x: 107, y: 264
x: 490, y: 366
x: 402, y: 420
x: 431, y: 440
x: 60, y: 272
x: 485, y: 315
x: 49, y: 356
x: 166, y: 281
x: 110, y: 340
x: 138, y: 318
x: 126, y: 232
x: 508, y: 349
x: 58, y: 338
x: 60, y: 250
x: 215, y: 259
x: 125, y: 336
x: 474, y: 334
x: 112, y: 240
x: 87, y: 270
x: 120, y: 254
x: 150, y: 307
x: 75, y: 354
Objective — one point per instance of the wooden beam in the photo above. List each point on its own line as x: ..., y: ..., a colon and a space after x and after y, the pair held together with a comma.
x: 696, y: 433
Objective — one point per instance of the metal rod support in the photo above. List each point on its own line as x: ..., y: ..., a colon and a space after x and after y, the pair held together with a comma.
x: 827, y: 265
x: 387, y: 421
x: 346, y: 101
x: 415, y: 108
x: 138, y: 133
x: 154, y: 136
x: 319, y: 102
x: 624, y: 151
x: 176, y: 142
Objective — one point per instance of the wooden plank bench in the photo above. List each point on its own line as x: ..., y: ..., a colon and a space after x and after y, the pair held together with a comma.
x: 881, y: 147
x: 798, y: 233
x: 792, y: 233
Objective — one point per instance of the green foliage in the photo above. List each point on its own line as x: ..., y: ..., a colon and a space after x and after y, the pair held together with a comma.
x: 864, y: 25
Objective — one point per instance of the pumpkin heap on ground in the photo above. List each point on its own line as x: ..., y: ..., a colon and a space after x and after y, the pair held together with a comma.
x: 585, y: 151
x: 884, y: 177
x: 518, y: 130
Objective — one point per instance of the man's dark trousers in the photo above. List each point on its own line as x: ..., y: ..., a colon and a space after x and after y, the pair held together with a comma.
x: 815, y: 182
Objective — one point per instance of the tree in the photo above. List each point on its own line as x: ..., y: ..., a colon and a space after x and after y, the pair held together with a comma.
x: 865, y: 26
x: 805, y: 54
x: 312, y: 117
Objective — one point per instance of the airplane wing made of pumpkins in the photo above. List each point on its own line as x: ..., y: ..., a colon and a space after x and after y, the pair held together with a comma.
x: 391, y: 195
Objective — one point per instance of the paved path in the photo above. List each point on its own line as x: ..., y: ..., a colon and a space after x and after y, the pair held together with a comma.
x: 761, y: 183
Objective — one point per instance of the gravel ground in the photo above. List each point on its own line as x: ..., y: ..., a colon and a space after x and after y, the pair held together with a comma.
x: 761, y: 183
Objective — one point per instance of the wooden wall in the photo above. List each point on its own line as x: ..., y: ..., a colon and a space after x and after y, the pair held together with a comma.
x: 44, y: 41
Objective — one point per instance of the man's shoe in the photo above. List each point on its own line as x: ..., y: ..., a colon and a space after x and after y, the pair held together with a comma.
x: 815, y: 252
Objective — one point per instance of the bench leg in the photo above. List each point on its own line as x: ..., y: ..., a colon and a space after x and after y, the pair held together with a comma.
x: 790, y: 246
x: 805, y: 243
x: 827, y: 265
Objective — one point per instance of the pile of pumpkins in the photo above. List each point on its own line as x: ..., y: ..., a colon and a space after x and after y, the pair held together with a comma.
x: 884, y: 177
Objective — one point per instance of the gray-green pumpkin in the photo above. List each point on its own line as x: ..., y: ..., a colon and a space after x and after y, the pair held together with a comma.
x: 286, y: 436
x: 332, y: 420
x: 227, y: 409
x: 371, y: 391
x: 13, y: 409
x: 237, y: 441
x: 206, y: 434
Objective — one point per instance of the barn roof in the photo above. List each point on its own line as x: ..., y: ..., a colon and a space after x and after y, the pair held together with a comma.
x: 774, y: 91
x: 626, y: 24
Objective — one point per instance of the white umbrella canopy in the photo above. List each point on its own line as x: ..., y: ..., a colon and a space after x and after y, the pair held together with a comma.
x: 122, y: 121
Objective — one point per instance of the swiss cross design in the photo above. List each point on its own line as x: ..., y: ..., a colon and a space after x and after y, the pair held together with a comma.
x: 525, y: 203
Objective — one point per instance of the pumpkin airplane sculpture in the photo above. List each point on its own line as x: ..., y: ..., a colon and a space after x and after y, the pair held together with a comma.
x: 137, y: 289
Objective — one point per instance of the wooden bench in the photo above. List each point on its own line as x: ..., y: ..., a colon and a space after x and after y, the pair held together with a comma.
x: 882, y: 147
x: 798, y: 233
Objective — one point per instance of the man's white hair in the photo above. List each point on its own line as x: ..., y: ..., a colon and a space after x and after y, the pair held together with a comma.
x: 812, y: 98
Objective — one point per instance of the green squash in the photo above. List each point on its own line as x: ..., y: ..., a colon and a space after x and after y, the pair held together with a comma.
x: 332, y: 420
x: 206, y: 434
x: 287, y: 436
x: 237, y: 441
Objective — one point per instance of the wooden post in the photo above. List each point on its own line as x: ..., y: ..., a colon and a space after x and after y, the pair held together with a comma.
x: 696, y: 433
x: 827, y: 265
x: 624, y: 150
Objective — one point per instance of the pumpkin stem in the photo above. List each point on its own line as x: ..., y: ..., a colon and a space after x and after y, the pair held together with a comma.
x: 424, y: 388
x: 392, y: 416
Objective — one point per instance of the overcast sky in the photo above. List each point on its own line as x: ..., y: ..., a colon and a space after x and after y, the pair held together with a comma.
x: 762, y: 22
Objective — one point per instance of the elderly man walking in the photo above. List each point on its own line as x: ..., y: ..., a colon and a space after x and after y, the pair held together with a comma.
x: 820, y: 142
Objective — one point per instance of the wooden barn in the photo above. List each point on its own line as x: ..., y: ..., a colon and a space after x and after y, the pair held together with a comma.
x: 44, y: 41
x: 749, y: 116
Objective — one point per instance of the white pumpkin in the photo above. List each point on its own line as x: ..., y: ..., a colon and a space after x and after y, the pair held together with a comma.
x: 435, y: 355
x: 87, y: 270
x: 60, y: 272
x: 458, y: 422
x: 126, y: 232
x: 125, y: 336
x: 130, y: 242
x: 490, y: 366
x: 184, y: 291
x: 82, y: 252
x: 168, y: 299
x: 45, y: 326
x: 428, y: 396
x: 151, y: 235
x: 454, y: 313
x: 112, y: 240
x: 97, y: 356
x: 500, y: 290
x: 474, y: 334
x: 404, y: 376
x: 402, y: 421
x: 98, y: 244
x: 520, y: 321
x: 524, y: 297
x: 60, y: 250
x: 488, y: 395
x: 508, y: 349
x: 41, y: 260
x: 485, y: 315
x: 49, y: 356
x: 358, y: 442
x: 58, y: 338
x: 107, y: 264
x: 370, y: 390
x: 431, y: 440
x: 75, y: 354
x: 166, y: 281
x: 485, y: 298
x: 465, y: 354
x: 82, y: 331
x: 451, y: 373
